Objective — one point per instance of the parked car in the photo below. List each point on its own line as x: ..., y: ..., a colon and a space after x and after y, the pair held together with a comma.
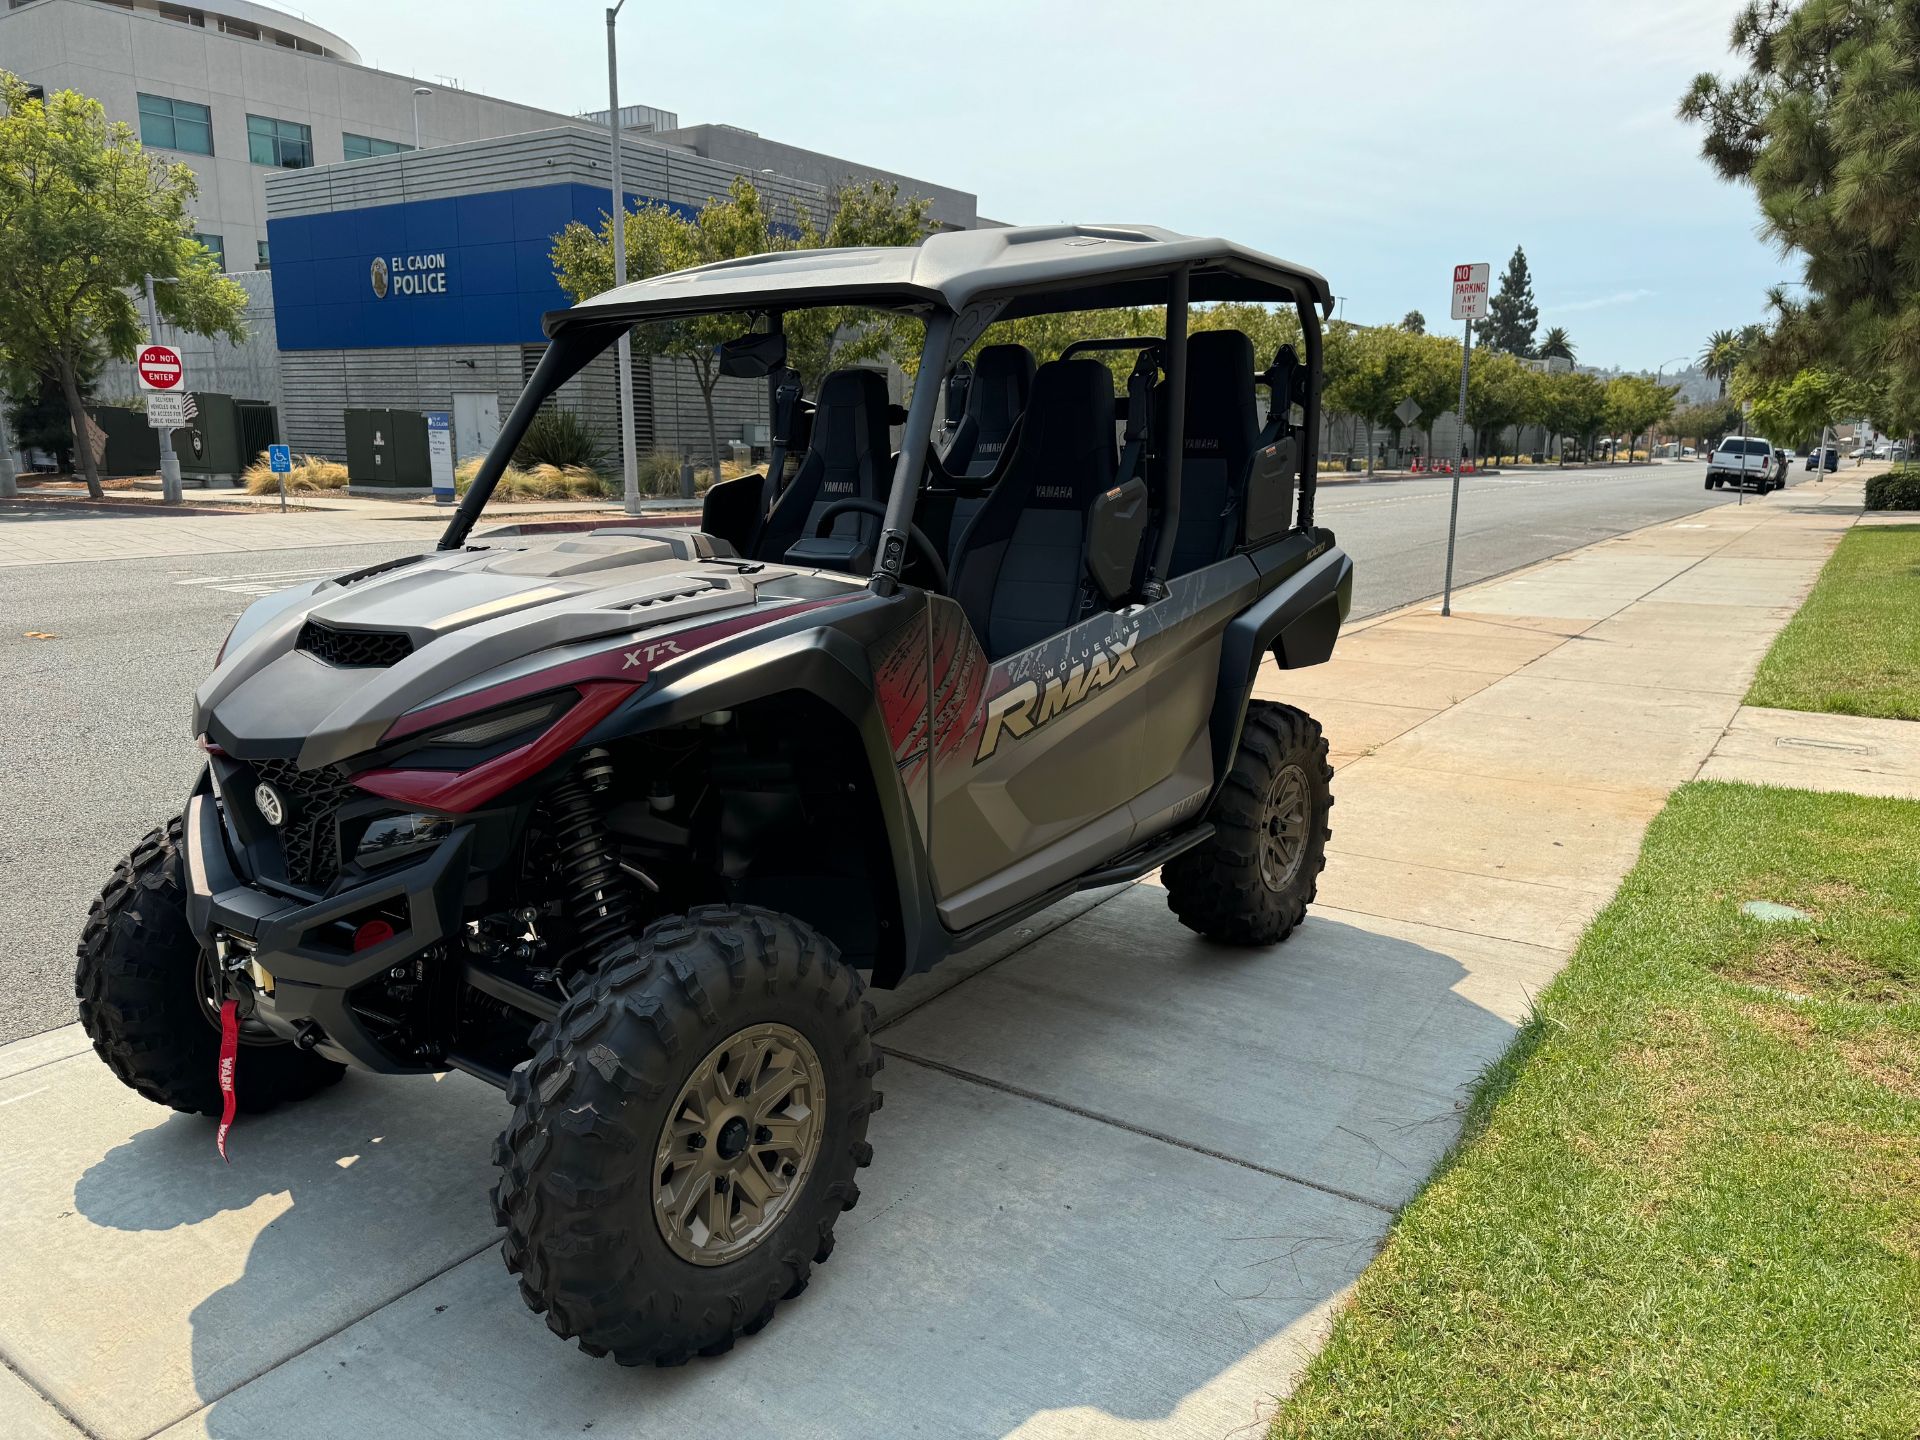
x: 1746, y: 462
x: 1824, y: 457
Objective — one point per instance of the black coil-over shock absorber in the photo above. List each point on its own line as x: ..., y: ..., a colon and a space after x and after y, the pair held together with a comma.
x: 595, y: 895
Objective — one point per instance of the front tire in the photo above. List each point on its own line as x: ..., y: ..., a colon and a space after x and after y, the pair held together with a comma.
x: 686, y: 1134
x: 140, y: 982
x: 1252, y: 882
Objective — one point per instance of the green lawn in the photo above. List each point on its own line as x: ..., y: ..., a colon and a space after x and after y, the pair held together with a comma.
x: 1854, y: 648
x: 1688, y: 1200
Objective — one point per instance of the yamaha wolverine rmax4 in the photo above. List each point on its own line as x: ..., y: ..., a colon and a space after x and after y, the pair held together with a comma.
x: 617, y: 821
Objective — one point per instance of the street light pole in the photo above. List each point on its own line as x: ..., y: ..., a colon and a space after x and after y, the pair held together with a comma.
x: 629, y: 462
x: 418, y: 91
x: 169, y: 462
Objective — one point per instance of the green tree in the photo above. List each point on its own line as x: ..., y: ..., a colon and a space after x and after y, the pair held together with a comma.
x: 1414, y: 323
x: 1369, y: 371
x: 1556, y: 345
x: 1572, y: 404
x: 85, y: 216
x: 1719, y: 356
x: 1635, y: 404
x: 824, y: 339
x: 1512, y: 314
x: 1500, y: 393
x: 1706, y: 422
x: 1822, y: 119
x: 660, y: 239
x: 1797, y: 410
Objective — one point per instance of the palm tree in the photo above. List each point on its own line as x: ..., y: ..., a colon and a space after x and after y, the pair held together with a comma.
x: 1720, y: 355
x: 1555, y: 345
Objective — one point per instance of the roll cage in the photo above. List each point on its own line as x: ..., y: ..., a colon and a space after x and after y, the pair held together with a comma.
x: 959, y: 284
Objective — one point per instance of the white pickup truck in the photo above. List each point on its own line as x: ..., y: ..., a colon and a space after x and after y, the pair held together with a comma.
x: 1745, y: 462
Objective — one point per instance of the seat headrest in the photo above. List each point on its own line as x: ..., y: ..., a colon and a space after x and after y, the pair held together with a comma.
x: 850, y: 419
x: 1222, y: 413
x: 1066, y: 447
x: 1002, y: 380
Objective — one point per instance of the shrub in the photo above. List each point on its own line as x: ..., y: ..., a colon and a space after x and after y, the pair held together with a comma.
x: 310, y: 474
x: 561, y: 439
x: 1898, y: 489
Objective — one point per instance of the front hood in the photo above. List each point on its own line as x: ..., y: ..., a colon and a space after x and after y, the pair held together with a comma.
x: 296, y: 681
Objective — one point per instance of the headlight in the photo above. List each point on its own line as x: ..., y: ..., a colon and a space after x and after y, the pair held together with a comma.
x: 386, y: 838
x: 500, y: 724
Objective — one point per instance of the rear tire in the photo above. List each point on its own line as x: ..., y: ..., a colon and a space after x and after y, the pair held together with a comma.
x: 1252, y: 882
x: 137, y: 984
x: 629, y: 1106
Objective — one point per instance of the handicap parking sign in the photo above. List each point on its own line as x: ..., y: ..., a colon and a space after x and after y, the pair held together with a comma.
x: 280, y: 459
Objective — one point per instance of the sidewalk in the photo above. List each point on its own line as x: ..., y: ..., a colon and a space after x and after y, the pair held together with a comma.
x: 1122, y: 1177
x: 62, y: 530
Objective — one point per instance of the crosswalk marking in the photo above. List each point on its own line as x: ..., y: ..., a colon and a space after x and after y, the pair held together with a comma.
x: 266, y: 582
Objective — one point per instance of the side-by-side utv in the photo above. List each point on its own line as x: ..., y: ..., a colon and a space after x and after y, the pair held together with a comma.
x: 617, y: 821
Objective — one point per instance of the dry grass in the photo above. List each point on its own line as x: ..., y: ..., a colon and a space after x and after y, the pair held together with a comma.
x: 311, y: 475
x: 539, y: 482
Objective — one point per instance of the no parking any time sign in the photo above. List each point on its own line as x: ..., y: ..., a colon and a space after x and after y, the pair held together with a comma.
x: 1469, y: 292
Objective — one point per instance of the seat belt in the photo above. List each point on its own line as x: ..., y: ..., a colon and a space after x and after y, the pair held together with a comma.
x: 1139, y: 432
x: 1138, y: 438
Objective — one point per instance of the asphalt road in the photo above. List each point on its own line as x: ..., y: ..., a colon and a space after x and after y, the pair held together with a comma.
x: 96, y: 749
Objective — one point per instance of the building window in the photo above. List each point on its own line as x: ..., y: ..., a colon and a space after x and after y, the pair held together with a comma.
x: 184, y: 17
x: 280, y: 143
x: 176, y: 125
x: 362, y: 147
x: 216, y: 244
x: 261, y: 260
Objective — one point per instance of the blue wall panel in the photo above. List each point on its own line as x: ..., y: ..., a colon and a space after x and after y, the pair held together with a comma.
x: 496, y: 268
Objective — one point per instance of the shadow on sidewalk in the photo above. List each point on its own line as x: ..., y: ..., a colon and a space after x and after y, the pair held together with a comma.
x: 1017, y: 1265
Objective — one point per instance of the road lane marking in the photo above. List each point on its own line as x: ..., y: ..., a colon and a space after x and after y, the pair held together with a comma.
x: 258, y: 584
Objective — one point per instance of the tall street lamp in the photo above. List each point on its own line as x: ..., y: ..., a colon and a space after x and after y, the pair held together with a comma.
x: 629, y: 462
x: 418, y: 91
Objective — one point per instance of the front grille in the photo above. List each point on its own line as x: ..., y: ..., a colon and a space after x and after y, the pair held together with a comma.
x: 372, y: 649
x: 307, y: 839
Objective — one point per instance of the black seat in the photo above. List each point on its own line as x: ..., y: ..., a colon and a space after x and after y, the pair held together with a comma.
x: 1222, y: 431
x: 1002, y: 380
x: 848, y: 457
x: 1018, y: 568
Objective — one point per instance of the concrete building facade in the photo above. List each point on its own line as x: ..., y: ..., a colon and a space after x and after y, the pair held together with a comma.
x: 418, y: 281
x: 239, y: 91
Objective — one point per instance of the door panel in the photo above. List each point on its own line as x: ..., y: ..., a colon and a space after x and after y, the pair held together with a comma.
x: 476, y: 423
x: 1038, y: 759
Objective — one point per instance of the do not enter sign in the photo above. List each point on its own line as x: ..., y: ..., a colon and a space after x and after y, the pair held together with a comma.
x: 159, y: 368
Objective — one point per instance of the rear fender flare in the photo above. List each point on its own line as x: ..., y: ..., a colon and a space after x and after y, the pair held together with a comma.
x: 1297, y: 623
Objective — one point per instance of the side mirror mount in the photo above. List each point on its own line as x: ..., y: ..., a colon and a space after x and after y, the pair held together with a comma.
x: 752, y: 356
x: 1115, y: 528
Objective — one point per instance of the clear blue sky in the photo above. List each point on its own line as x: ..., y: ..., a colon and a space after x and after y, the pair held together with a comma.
x: 1380, y: 141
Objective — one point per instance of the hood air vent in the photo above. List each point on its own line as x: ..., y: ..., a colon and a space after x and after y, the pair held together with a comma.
x: 360, y: 649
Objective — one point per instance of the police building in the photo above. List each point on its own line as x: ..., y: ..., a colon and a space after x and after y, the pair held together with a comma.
x: 395, y: 234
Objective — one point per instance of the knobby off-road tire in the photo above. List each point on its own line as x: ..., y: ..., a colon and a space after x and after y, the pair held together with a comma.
x: 580, y: 1172
x: 137, y: 983
x: 1252, y: 882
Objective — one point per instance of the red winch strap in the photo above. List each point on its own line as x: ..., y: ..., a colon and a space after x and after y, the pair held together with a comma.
x: 229, y: 1052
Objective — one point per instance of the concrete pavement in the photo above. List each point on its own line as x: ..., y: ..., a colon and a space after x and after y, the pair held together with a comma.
x: 1122, y: 1177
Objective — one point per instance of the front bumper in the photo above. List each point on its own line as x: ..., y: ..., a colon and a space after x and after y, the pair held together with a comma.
x: 312, y: 973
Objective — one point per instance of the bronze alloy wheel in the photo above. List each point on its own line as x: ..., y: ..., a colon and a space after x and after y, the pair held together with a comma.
x: 738, y: 1144
x: 1289, y: 813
